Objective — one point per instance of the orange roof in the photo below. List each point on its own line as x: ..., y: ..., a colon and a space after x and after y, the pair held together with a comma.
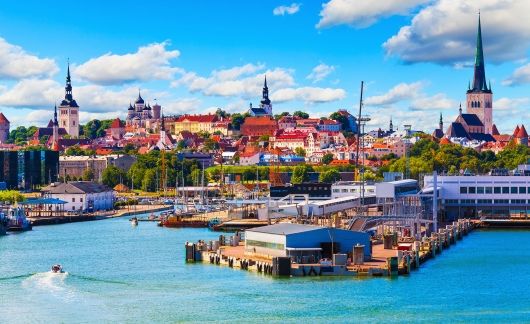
x: 103, y: 151
x: 516, y: 131
x: 445, y: 141
x: 522, y: 132
x: 263, y: 120
x: 116, y: 123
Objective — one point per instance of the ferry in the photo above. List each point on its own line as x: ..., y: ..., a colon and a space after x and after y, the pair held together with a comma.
x: 17, y: 221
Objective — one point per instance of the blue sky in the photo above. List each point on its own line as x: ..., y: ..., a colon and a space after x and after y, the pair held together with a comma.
x: 194, y: 56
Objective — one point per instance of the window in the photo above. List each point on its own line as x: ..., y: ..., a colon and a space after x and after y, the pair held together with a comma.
x: 471, y: 190
x: 513, y: 190
x: 505, y: 190
x: 497, y: 190
x: 268, y: 245
x: 73, y: 199
x: 489, y: 190
x: 463, y: 190
x: 522, y: 190
x: 480, y: 190
x: 81, y: 199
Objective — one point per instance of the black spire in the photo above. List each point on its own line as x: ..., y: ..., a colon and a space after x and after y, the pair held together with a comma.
x: 441, y: 123
x: 391, y: 126
x: 265, y: 100
x: 479, y: 77
x: 460, y: 109
x: 68, y: 98
x: 68, y: 87
x: 55, y: 122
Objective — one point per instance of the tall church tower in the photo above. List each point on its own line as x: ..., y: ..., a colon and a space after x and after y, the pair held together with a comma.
x: 265, y: 101
x: 69, y: 110
x: 479, y: 95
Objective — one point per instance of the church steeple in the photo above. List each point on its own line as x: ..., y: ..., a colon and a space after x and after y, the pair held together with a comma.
x: 265, y: 100
x: 391, y: 126
x: 441, y: 123
x: 68, y: 87
x: 479, y: 77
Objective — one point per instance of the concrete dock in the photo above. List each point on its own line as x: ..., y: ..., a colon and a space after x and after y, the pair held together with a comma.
x: 390, y: 258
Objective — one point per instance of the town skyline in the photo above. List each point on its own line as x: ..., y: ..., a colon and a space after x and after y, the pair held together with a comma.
x: 197, y: 73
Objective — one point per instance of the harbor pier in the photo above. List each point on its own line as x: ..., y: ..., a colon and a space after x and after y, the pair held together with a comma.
x: 389, y: 257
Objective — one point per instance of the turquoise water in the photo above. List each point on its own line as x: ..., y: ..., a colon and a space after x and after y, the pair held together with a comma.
x: 117, y: 273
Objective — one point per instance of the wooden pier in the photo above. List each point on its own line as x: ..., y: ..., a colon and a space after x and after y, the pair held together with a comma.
x: 389, y: 258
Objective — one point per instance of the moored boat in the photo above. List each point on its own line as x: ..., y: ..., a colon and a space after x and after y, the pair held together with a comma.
x: 134, y: 221
x: 17, y: 221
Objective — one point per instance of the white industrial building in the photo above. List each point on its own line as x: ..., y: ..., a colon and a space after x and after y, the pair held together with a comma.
x: 351, y: 188
x: 82, y: 196
x: 297, y: 240
x: 482, y: 196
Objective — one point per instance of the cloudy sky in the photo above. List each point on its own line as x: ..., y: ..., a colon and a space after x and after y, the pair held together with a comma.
x: 415, y: 56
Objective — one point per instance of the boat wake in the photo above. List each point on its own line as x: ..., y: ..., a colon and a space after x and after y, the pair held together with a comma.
x: 17, y: 277
x: 49, y: 281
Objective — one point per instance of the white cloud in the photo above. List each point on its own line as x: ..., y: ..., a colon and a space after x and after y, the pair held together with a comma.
x: 320, y: 72
x: 445, y: 32
x: 289, y: 10
x: 510, y: 104
x: 400, y: 92
x: 308, y: 94
x: 363, y: 13
x: 246, y: 82
x: 16, y: 63
x: 520, y: 76
x: 241, y: 81
x: 439, y: 101
x: 31, y: 93
x: 151, y: 62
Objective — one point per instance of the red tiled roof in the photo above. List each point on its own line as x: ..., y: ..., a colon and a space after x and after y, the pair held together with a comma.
x: 494, y: 130
x: 522, y: 132
x: 516, y: 131
x: 254, y: 121
x: 116, y: 123
x: 3, y: 119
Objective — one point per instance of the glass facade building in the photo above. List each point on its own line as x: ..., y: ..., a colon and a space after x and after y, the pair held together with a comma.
x: 27, y: 170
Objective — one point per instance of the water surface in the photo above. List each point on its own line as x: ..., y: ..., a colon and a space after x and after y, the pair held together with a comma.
x: 118, y: 273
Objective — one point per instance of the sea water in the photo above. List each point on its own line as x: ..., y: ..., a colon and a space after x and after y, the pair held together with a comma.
x: 118, y: 273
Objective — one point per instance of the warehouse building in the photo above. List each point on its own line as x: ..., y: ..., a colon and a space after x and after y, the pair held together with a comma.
x: 298, y: 240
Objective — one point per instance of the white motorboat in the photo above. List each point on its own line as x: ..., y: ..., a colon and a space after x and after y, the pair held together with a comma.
x: 57, y: 268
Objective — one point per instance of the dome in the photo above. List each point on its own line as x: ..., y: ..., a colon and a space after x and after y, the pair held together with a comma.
x: 140, y: 100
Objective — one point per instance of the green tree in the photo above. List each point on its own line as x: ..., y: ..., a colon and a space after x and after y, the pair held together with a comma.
x: 345, y: 123
x: 149, y: 180
x: 210, y: 145
x: 301, y: 114
x: 327, y: 158
x: 113, y: 175
x: 221, y: 113
x: 11, y: 196
x: 301, y: 173
x: 237, y: 120
x: 300, y: 151
x: 88, y: 175
x: 329, y: 176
